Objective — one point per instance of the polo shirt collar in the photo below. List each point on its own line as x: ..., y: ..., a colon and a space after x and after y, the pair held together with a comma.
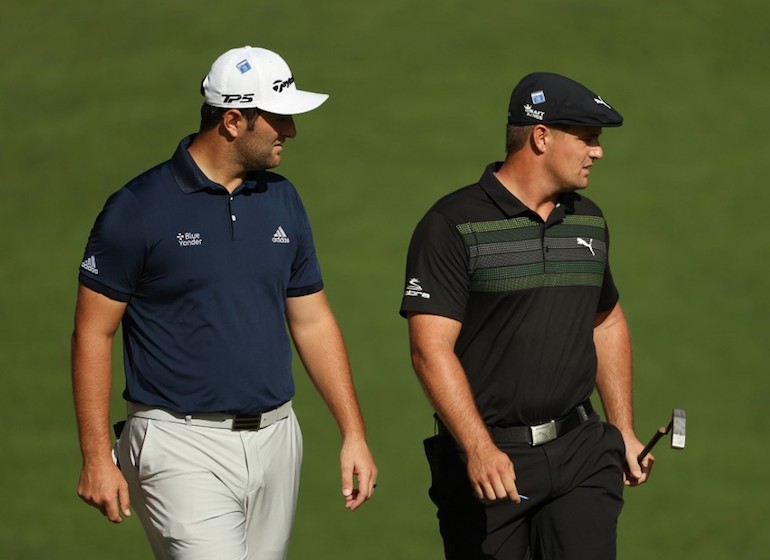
x: 189, y: 176
x: 511, y: 205
x: 501, y: 196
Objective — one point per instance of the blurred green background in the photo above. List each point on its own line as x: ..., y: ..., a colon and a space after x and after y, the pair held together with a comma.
x: 96, y: 92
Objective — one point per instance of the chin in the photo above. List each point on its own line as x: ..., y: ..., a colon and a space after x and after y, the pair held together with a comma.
x: 582, y: 183
x: 271, y: 163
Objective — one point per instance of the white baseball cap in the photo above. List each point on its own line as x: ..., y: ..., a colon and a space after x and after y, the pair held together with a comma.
x: 252, y: 77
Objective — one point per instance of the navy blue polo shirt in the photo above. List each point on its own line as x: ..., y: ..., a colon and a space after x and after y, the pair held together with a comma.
x: 205, y: 275
x: 526, y: 291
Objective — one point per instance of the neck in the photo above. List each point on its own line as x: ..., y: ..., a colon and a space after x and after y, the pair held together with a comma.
x: 212, y: 157
x: 530, y: 189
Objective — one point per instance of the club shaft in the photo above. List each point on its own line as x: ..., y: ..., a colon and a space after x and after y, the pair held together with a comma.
x: 659, y: 434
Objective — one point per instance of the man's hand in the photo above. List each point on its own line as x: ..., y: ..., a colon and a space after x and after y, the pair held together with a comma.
x: 492, y: 474
x: 105, y: 488
x: 634, y: 473
x: 356, y: 462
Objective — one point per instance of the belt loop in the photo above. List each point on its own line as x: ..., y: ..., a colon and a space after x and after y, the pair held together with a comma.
x: 188, y: 420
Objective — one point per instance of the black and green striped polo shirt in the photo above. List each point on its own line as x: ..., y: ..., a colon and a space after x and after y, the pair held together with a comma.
x: 526, y: 292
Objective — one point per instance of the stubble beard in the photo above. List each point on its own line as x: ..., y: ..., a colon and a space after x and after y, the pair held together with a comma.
x: 259, y: 157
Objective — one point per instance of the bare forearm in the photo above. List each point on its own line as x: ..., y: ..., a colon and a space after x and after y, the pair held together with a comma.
x: 96, y: 321
x: 432, y: 339
x: 446, y: 386
x: 322, y: 351
x: 91, y: 386
x: 614, y: 378
x: 614, y: 381
x: 444, y: 381
x: 319, y: 343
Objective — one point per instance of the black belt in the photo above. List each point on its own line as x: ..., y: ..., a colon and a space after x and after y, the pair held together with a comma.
x: 541, y: 433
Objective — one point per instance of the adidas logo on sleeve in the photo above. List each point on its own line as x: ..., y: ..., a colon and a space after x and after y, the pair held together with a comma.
x: 90, y: 265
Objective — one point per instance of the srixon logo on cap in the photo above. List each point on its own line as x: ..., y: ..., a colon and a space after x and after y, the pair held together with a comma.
x: 280, y: 85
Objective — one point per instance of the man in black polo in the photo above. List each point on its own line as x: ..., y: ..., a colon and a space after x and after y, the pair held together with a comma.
x: 204, y: 260
x: 514, y: 319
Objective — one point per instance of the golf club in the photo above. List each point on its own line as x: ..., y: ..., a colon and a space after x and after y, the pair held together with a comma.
x: 678, y: 424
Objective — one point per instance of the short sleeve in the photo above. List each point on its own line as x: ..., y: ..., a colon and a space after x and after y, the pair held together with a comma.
x: 305, y: 276
x: 114, y: 255
x: 437, y: 280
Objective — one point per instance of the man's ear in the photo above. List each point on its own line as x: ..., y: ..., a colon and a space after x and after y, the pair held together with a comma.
x: 540, y: 138
x: 233, y: 123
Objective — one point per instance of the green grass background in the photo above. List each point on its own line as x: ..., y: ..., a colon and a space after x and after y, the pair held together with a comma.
x: 95, y: 93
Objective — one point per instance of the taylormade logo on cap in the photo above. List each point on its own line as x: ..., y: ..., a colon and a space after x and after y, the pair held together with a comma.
x: 252, y: 77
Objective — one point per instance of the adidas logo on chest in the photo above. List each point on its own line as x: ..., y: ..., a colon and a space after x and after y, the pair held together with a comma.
x: 280, y: 236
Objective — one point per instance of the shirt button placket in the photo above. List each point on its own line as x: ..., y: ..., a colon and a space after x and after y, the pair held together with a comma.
x: 233, y: 217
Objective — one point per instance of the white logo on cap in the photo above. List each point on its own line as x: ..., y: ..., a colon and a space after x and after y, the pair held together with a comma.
x: 537, y: 97
x: 530, y: 112
x: 600, y: 101
x: 243, y: 66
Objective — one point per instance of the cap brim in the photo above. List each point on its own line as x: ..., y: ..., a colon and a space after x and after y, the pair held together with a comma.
x: 583, y: 122
x: 299, y: 102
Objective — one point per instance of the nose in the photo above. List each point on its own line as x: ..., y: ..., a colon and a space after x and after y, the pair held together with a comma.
x: 289, y: 129
x: 596, y: 152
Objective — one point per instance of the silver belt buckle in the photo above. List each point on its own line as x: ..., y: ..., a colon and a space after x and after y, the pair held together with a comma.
x: 543, y: 433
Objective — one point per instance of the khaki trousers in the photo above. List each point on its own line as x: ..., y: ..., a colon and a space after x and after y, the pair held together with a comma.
x: 205, y: 493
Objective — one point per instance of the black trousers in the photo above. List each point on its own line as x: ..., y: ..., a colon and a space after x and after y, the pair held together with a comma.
x: 575, y: 490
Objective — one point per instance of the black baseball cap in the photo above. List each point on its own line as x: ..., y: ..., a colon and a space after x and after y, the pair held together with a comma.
x: 546, y: 98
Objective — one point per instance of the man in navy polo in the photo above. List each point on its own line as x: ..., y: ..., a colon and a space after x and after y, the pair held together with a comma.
x: 514, y: 319
x: 204, y: 260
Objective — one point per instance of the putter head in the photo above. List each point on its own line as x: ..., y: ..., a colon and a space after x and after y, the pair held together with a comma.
x: 679, y: 423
